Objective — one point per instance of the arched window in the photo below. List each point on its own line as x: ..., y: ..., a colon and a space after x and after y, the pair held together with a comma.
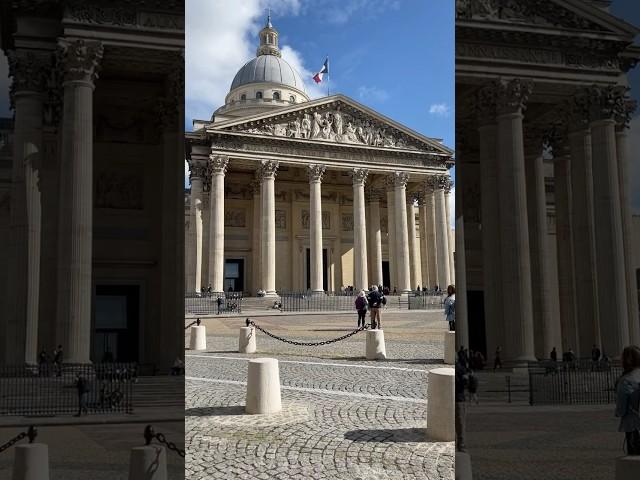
x: 259, y: 95
x: 276, y: 95
x: 243, y: 96
x: 292, y: 99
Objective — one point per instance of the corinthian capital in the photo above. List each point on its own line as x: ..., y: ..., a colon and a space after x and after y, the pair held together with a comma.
x: 316, y: 172
x: 197, y: 170
x: 268, y: 169
x: 607, y: 103
x: 400, y: 179
x: 359, y: 176
x: 80, y: 59
x: 485, y: 105
x: 29, y: 71
x: 512, y: 95
x: 218, y: 164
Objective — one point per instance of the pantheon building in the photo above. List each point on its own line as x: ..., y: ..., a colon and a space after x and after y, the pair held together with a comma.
x: 91, y: 227
x: 293, y: 194
x: 543, y: 178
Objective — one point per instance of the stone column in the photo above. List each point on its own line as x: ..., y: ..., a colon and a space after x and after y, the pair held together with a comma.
x: 460, y: 278
x: 391, y: 234
x: 430, y: 209
x: 425, y: 281
x: 414, y: 252
x: 256, y: 243
x: 624, y: 173
x: 450, y: 241
x: 361, y: 280
x: 402, y: 235
x: 79, y: 60
x: 514, y: 231
x: 442, y: 238
x: 217, y: 169
x: 315, y: 227
x: 268, y: 171
x: 612, y: 289
x: 23, y: 286
x: 190, y: 248
x: 582, y: 227
x: 375, y: 236
x: 338, y: 280
x: 198, y: 171
x: 546, y: 335
x: 490, y: 219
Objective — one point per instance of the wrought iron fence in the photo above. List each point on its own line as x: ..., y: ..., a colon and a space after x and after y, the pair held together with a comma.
x: 580, y: 382
x: 50, y: 389
x: 213, y: 303
x: 425, y: 300
x: 308, y: 302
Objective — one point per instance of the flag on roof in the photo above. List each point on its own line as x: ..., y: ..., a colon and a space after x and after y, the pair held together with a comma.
x: 325, y: 69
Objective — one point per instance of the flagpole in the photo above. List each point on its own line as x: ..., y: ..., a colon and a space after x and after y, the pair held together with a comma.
x: 328, y: 74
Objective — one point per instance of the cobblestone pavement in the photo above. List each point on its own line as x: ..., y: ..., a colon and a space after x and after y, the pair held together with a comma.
x: 343, y: 417
x: 95, y: 452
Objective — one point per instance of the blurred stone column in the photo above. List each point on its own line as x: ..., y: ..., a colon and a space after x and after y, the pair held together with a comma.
x: 451, y: 246
x: 268, y: 171
x: 217, y: 169
x: 441, y: 224
x: 315, y: 227
x: 79, y: 60
x: 391, y: 234
x: 460, y: 278
x: 611, y: 279
x: 402, y: 235
x: 513, y: 227
x: 198, y: 170
x: 414, y: 252
x: 375, y: 237
x: 430, y: 228
x: 425, y: 280
x: 255, y: 237
x: 359, y: 230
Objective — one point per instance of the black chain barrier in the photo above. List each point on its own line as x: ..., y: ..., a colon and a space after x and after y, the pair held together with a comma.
x: 150, y: 434
x: 305, y: 344
x: 196, y: 322
x: 31, y: 433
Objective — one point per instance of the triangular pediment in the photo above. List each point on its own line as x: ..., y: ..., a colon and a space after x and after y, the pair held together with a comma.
x: 565, y: 14
x: 338, y: 120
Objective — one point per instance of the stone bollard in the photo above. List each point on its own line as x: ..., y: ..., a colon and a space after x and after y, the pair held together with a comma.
x: 247, y: 342
x: 148, y: 463
x: 450, y: 348
x: 628, y: 468
x: 463, y: 466
x: 263, y: 386
x: 440, y: 405
x: 198, y: 338
x: 31, y: 462
x: 375, y: 345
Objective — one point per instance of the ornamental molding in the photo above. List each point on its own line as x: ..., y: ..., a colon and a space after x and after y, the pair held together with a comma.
x: 315, y: 172
x: 80, y: 59
x: 268, y: 169
x: 125, y: 14
x: 28, y: 70
x: 359, y: 175
x: 512, y: 95
x: 305, y: 218
x: 609, y: 103
x: 400, y: 179
x: 218, y: 164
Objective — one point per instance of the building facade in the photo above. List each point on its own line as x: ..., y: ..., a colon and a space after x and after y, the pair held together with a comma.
x: 293, y: 194
x: 92, y: 225
x: 544, y: 202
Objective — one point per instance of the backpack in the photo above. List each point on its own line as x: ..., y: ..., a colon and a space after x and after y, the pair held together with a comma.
x: 384, y: 300
x: 361, y: 303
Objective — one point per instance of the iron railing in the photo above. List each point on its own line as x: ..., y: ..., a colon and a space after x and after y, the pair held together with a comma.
x: 308, y: 302
x: 580, y: 382
x: 50, y: 389
x: 207, y: 303
x: 425, y: 300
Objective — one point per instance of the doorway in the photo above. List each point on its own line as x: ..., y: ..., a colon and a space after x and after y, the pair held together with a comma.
x: 325, y: 277
x: 234, y: 275
x: 116, y: 325
x: 386, y: 277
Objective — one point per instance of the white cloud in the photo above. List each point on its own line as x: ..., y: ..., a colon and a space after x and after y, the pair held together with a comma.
x: 314, y: 90
x: 341, y: 11
x: 372, y: 94
x: 441, y: 109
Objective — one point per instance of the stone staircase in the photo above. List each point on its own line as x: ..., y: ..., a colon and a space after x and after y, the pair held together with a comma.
x: 158, y: 391
x: 253, y: 304
x: 494, y: 386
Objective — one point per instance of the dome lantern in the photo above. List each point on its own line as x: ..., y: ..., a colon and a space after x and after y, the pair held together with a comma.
x: 268, y: 40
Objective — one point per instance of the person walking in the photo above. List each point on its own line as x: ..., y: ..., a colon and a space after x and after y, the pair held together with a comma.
x: 361, y: 307
x: 497, y: 362
x: 628, y: 399
x: 82, y: 387
x: 376, y: 301
x: 57, y: 360
x: 219, y: 302
x: 450, y: 307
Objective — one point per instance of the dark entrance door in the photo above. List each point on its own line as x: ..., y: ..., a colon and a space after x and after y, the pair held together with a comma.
x: 234, y: 275
x: 325, y: 278
x: 386, y: 277
x: 117, y: 319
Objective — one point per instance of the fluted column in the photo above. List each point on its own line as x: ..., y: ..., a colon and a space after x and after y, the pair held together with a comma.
x: 361, y: 280
x: 190, y: 248
x: 315, y: 231
x: 402, y: 234
x: 460, y: 278
x: 198, y: 170
x: 414, y: 252
x: 546, y: 335
x: 391, y: 234
x: 430, y: 209
x: 256, y: 244
x: 425, y: 281
x: 450, y: 241
x: 582, y: 226
x: 624, y: 174
x: 612, y: 290
x: 268, y: 171
x: 514, y: 231
x: 442, y: 238
x: 375, y: 237
x: 217, y: 169
x: 20, y: 334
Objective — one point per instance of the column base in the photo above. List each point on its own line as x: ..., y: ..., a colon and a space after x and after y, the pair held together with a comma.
x: 272, y: 294
x: 317, y: 292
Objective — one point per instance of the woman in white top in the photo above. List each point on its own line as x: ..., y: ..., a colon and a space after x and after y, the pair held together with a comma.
x: 450, y: 307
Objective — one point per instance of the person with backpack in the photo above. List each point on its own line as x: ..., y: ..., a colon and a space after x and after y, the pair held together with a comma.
x: 450, y: 307
x: 376, y: 302
x: 361, y: 307
x: 628, y: 399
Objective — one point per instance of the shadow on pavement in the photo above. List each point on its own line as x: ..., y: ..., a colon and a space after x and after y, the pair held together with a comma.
x: 214, y: 411
x: 400, y: 435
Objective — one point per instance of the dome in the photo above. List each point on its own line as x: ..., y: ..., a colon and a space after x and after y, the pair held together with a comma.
x: 268, y: 68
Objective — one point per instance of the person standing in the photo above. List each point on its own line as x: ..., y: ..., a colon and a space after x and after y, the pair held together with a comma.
x: 57, y: 360
x: 497, y: 362
x: 82, y: 388
x: 376, y: 301
x: 628, y: 399
x: 361, y: 307
x: 219, y: 302
x: 450, y: 307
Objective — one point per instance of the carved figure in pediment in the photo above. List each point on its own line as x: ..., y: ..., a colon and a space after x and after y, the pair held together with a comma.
x: 387, y: 139
x: 317, y: 123
x: 293, y: 129
x: 279, y: 129
x: 306, y: 126
x: 377, y: 140
x: 327, y: 131
x: 351, y: 133
x: 337, y: 123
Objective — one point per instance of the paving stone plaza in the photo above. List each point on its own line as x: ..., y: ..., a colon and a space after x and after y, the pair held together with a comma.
x: 342, y: 418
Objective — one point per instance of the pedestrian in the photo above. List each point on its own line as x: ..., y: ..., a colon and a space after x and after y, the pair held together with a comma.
x: 361, y: 307
x: 219, y: 302
x: 57, y: 360
x: 628, y: 399
x: 595, y: 357
x: 82, y: 387
x: 461, y: 407
x: 497, y: 362
x: 450, y: 307
x: 554, y: 355
x: 376, y: 301
x: 43, y: 360
x: 209, y: 290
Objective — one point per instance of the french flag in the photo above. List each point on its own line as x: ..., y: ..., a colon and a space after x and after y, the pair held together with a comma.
x: 325, y: 69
